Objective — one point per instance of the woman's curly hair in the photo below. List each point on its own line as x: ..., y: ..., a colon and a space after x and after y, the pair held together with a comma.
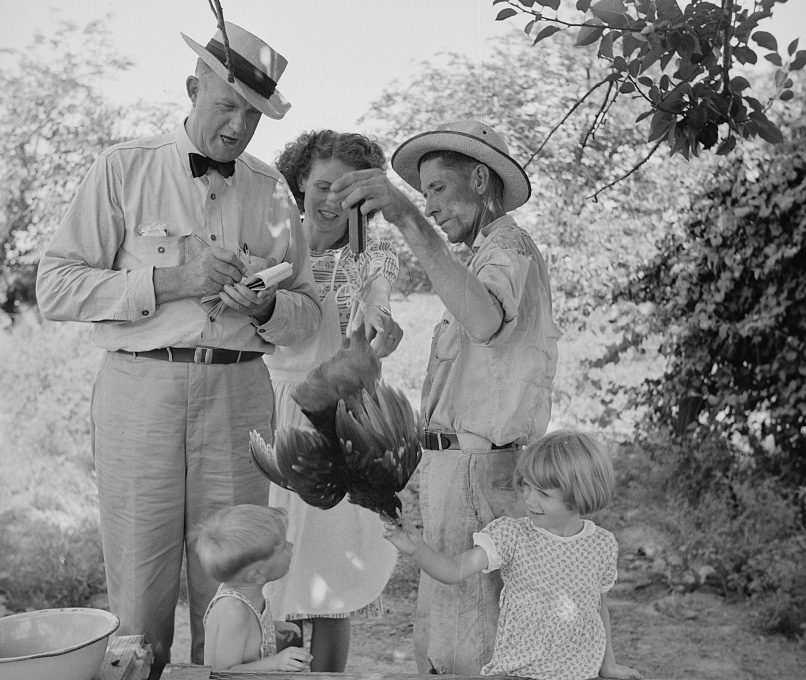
x: 350, y: 148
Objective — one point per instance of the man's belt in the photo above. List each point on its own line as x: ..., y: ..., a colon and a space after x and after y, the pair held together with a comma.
x: 196, y: 355
x: 440, y: 441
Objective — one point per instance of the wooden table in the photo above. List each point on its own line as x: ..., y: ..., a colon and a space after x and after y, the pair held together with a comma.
x: 128, y: 657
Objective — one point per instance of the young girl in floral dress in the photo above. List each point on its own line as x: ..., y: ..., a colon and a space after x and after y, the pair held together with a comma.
x: 556, y: 567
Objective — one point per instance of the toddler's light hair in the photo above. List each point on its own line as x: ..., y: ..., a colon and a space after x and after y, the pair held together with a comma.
x: 574, y: 462
x: 237, y: 536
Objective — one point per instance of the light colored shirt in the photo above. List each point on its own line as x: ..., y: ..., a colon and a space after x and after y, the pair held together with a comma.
x: 550, y: 626
x: 140, y: 208
x: 499, y: 389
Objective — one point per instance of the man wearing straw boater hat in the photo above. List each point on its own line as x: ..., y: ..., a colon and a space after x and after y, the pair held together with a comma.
x: 157, y: 225
x: 487, y: 389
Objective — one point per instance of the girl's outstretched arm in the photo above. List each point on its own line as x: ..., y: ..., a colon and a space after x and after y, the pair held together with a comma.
x: 442, y: 567
x: 610, y: 669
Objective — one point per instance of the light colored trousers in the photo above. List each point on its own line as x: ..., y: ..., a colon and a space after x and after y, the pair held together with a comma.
x: 171, y: 446
x: 461, y: 492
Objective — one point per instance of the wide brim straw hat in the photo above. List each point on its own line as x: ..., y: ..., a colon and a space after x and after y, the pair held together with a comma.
x: 471, y: 138
x: 257, y: 67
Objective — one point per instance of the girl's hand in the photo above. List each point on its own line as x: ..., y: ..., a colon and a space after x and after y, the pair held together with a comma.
x: 615, y: 670
x: 406, y: 540
x: 293, y: 659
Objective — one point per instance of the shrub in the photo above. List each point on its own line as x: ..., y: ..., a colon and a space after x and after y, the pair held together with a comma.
x: 45, y: 565
x: 748, y: 529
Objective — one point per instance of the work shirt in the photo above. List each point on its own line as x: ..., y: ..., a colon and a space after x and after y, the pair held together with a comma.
x: 499, y: 389
x: 140, y: 208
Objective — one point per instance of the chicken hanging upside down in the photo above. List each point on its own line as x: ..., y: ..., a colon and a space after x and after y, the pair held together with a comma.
x: 364, y: 442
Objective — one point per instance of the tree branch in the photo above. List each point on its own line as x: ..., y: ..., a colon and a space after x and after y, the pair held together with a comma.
x: 596, y: 119
x: 635, y: 167
x: 727, y: 18
x: 539, y: 17
x: 215, y: 6
x: 576, y: 105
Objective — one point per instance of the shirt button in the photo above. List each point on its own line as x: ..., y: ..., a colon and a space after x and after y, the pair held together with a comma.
x: 145, y: 312
x: 161, y: 249
x: 212, y: 196
x: 212, y: 237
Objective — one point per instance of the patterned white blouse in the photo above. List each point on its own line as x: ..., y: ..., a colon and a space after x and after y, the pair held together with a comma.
x: 550, y: 627
x: 381, y: 256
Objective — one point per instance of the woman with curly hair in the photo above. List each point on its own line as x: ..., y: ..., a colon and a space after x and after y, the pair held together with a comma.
x: 341, y: 561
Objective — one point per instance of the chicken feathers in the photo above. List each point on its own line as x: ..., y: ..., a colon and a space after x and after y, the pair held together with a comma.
x: 364, y: 444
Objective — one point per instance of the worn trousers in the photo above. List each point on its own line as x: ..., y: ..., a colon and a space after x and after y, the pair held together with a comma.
x: 171, y: 446
x: 460, y: 493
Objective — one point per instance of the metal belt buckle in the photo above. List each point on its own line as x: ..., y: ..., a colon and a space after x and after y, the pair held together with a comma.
x: 203, y: 355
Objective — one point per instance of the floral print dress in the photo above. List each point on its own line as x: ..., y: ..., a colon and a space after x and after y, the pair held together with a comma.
x: 550, y: 627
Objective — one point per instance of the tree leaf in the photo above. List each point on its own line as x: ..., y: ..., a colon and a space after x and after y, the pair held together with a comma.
x: 726, y: 146
x: 626, y: 87
x: 554, y: 4
x: 766, y: 129
x: 505, y: 14
x: 774, y: 57
x: 545, y: 33
x: 799, y: 61
x: 611, y: 12
x: 792, y: 47
x: 583, y: 5
x: 588, y: 35
x: 786, y: 95
x: 766, y: 40
x: 738, y: 84
x: 661, y: 122
x: 606, y: 45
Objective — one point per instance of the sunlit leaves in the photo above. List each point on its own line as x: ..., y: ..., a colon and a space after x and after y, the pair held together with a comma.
x: 672, y: 55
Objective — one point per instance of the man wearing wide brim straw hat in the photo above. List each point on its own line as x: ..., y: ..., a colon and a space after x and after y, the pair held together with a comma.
x: 487, y: 389
x: 158, y: 225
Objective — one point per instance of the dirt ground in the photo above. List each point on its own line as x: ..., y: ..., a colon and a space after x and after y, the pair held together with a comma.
x: 664, y: 633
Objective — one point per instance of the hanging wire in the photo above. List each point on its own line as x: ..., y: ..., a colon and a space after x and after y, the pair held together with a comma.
x: 215, y: 6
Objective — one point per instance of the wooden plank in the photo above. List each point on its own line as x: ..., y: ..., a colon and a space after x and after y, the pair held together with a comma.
x: 128, y: 657
x: 190, y: 672
x: 186, y: 671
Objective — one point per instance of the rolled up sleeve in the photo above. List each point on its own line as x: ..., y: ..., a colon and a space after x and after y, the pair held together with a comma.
x: 76, y: 279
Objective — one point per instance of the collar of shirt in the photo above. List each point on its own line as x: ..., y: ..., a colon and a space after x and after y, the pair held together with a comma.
x: 486, y: 231
x: 184, y: 147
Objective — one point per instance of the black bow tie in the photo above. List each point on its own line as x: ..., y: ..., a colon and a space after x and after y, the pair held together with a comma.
x: 199, y: 165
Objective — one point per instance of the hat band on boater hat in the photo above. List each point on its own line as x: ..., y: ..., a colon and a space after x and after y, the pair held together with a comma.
x: 244, y: 70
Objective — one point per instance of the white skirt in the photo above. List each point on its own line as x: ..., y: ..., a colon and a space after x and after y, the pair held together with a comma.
x: 341, y: 562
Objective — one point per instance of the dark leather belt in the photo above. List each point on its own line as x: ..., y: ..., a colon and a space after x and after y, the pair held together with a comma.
x: 196, y: 355
x: 440, y: 441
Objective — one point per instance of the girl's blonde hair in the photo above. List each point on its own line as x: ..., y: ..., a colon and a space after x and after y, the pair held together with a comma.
x: 574, y: 462
x: 238, y: 536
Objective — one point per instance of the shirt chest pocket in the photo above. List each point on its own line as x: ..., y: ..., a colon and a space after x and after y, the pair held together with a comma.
x: 448, y: 340
x: 157, y: 251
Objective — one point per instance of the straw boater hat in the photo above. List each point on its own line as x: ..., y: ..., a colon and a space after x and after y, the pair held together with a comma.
x: 474, y: 139
x: 257, y: 67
